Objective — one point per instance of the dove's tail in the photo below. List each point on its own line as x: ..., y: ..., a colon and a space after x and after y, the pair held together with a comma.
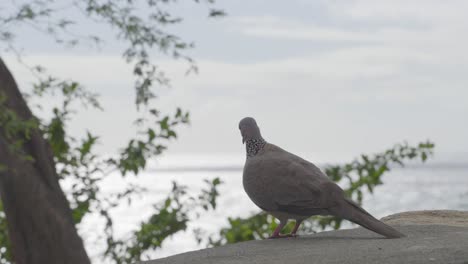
x: 353, y: 212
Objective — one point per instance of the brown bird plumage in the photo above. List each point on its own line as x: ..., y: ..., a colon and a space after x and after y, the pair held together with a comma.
x: 289, y: 187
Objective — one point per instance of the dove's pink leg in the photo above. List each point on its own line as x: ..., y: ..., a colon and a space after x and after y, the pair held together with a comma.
x: 276, y: 233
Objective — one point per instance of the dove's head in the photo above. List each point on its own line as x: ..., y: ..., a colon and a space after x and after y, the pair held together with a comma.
x: 249, y: 129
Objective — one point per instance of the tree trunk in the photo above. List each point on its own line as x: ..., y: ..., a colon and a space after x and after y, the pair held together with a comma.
x: 39, y: 218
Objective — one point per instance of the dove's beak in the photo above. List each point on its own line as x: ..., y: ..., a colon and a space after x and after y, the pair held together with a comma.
x: 243, y: 136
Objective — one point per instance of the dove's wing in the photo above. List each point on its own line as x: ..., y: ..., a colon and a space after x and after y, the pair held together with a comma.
x: 277, y: 180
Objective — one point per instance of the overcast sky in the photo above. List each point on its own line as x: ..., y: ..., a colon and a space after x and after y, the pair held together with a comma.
x: 323, y: 78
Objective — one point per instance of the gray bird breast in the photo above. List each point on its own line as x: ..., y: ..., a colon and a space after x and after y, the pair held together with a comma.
x: 267, y: 181
x: 256, y: 184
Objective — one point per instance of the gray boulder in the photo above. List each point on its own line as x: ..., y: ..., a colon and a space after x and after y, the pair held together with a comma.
x: 432, y: 237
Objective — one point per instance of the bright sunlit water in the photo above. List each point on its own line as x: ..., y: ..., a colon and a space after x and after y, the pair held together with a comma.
x: 438, y: 185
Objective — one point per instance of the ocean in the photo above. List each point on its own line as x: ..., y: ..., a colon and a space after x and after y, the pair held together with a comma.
x: 439, y: 184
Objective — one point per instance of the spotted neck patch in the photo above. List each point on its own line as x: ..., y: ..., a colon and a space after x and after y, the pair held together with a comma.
x: 253, y: 146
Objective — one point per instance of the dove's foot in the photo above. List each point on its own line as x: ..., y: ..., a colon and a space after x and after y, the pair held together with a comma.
x: 281, y: 236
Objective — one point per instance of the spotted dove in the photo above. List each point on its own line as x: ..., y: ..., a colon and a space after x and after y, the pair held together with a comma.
x: 289, y: 187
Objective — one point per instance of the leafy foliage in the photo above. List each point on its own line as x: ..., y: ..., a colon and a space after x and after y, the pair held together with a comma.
x: 142, y: 28
x: 16, y: 130
x: 80, y: 167
x: 5, y: 245
x: 135, y: 154
x: 173, y: 215
x: 365, y: 172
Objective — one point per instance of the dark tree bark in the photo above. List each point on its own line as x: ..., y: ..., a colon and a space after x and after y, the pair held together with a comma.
x: 39, y: 218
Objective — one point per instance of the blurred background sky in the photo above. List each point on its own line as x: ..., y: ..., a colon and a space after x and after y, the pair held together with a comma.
x: 324, y: 79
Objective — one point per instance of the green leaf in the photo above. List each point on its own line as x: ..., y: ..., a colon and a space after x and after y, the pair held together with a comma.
x: 423, y: 156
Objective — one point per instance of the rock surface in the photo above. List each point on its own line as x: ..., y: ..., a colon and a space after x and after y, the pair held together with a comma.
x: 432, y: 237
x: 439, y: 217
